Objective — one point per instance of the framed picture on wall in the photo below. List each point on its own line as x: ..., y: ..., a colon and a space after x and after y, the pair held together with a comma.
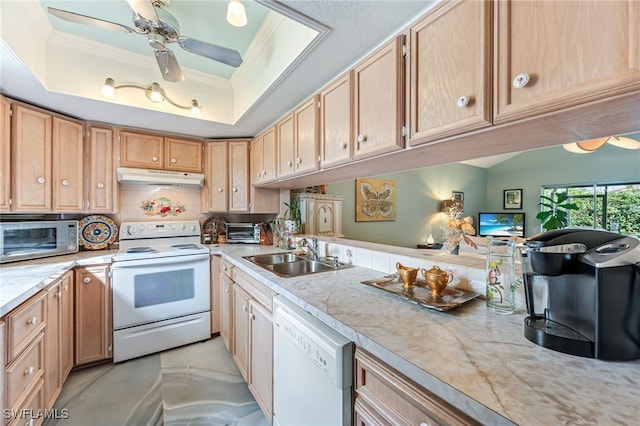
x: 512, y: 199
x: 375, y: 200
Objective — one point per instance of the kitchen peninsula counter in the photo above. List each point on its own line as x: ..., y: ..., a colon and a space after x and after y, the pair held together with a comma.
x: 475, y: 359
x: 471, y: 357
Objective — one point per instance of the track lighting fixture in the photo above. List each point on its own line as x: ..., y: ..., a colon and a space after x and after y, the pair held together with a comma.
x: 154, y: 93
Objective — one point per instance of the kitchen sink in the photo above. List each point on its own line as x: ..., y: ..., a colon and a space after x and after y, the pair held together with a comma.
x: 289, y: 265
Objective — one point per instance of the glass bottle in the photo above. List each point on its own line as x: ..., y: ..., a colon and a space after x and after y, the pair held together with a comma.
x: 501, y: 275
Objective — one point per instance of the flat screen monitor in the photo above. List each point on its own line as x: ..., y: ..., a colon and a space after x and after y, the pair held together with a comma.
x: 496, y: 224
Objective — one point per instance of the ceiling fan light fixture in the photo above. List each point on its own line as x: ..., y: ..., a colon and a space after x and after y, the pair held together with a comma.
x: 108, y: 89
x: 195, y: 108
x: 623, y: 142
x: 575, y: 148
x: 236, y: 14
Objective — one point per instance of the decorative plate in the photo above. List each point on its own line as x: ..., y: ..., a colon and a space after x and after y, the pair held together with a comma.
x: 96, y: 232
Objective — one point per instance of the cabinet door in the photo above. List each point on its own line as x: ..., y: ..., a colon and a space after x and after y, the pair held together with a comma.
x: 93, y: 315
x: 215, y: 294
x: 141, y: 150
x: 241, y: 330
x: 306, y: 136
x: 2, y: 364
x: 269, y: 156
x: 183, y: 155
x: 335, y: 122
x: 66, y: 325
x: 542, y: 39
x: 31, y: 151
x: 216, y: 177
x: 378, y: 108
x: 450, y: 61
x: 226, y: 311
x: 239, y: 176
x: 52, y: 335
x: 67, y: 171
x: 261, y: 371
x: 257, y: 160
x: 286, y: 146
x: 5, y: 153
x: 103, y: 189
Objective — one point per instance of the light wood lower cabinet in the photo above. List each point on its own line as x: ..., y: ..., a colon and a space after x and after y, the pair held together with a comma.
x: 2, y: 363
x: 385, y: 396
x: 94, y: 327
x: 58, y: 337
x: 215, y: 294
x: 253, y: 337
x: 226, y: 304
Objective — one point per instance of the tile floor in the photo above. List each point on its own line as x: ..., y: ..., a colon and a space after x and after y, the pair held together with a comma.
x: 198, y: 384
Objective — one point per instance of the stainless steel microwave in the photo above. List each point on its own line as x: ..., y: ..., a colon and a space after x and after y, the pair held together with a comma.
x: 31, y: 240
x: 243, y: 233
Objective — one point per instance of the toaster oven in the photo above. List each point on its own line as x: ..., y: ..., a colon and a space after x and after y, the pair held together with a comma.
x: 243, y: 233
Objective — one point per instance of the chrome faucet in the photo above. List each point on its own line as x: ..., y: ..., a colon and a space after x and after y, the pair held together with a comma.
x: 313, y: 248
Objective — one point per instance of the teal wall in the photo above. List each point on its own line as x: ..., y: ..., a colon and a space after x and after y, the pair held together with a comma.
x: 420, y: 191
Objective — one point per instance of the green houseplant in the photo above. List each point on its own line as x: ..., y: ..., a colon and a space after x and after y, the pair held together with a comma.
x: 293, y: 212
x: 557, y: 215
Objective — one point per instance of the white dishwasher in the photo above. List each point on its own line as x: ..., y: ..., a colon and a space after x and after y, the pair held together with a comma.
x: 312, y: 370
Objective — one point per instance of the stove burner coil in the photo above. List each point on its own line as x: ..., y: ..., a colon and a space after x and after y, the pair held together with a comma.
x: 141, y: 250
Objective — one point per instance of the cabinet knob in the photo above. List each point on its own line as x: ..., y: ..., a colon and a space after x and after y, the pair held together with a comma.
x: 58, y: 294
x: 462, y: 101
x: 100, y: 185
x: 252, y: 316
x: 29, y: 371
x: 174, y: 161
x: 244, y: 308
x: 521, y: 80
x: 86, y: 280
x: 224, y: 268
x: 298, y: 160
x: 65, y: 182
x: 32, y: 321
x: 154, y: 158
x: 259, y: 174
x: 235, y: 189
x: 219, y: 189
x: 40, y: 180
x: 66, y: 287
x: 226, y: 291
x: 289, y: 163
x: 362, y: 138
x: 342, y: 145
x: 264, y: 173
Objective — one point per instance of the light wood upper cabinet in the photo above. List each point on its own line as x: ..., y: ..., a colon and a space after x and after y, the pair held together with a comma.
x: 239, y: 176
x: 573, y: 52
x: 450, y: 57
x: 183, y: 155
x: 336, y: 122
x: 5, y: 153
x: 264, y: 158
x: 67, y: 171
x: 47, y: 162
x: 141, y: 150
x: 378, y: 87
x: 216, y: 190
x: 285, y: 135
x: 101, y: 175
x: 93, y: 324
x: 306, y: 136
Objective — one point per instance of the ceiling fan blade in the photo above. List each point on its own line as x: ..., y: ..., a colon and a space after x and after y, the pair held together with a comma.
x: 88, y: 20
x: 211, y: 51
x: 169, y: 66
x: 144, y: 8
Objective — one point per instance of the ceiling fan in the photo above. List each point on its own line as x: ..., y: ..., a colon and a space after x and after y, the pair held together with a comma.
x: 161, y: 28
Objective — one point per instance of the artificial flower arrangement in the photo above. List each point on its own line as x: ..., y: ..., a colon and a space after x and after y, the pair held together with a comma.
x: 457, y: 229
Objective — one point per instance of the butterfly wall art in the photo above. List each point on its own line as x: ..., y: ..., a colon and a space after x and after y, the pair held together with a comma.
x: 375, y: 200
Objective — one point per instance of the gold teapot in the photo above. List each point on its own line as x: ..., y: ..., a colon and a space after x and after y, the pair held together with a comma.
x: 437, y: 280
x: 407, y: 274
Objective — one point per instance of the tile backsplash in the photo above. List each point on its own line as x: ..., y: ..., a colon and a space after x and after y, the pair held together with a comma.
x: 156, y: 202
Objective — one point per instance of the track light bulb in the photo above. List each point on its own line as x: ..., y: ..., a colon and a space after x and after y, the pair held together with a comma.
x: 236, y: 15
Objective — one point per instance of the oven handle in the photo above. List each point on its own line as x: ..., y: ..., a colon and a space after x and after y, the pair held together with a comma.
x: 171, y: 260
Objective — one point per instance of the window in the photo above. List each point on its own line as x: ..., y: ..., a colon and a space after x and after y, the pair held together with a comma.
x: 614, y: 207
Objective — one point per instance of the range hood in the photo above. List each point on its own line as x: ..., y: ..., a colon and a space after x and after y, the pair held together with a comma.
x: 159, y: 177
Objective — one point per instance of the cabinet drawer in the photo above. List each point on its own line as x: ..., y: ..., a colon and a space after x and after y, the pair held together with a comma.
x: 24, y: 323
x: 255, y: 288
x: 23, y: 373
x: 226, y: 268
x: 398, y: 400
x: 28, y: 413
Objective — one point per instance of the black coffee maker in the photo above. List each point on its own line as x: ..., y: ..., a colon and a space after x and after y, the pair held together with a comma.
x: 582, y: 290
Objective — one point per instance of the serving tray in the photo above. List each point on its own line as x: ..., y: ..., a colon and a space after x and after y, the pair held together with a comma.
x: 420, y: 295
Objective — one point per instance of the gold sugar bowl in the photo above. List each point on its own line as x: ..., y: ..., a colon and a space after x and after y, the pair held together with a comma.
x: 407, y: 274
x: 437, y: 280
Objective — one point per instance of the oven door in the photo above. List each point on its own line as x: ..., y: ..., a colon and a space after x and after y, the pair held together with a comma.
x: 150, y: 290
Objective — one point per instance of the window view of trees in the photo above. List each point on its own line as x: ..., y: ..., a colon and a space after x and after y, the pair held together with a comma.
x: 614, y: 207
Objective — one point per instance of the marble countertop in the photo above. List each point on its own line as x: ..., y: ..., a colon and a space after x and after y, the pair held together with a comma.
x: 471, y: 357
